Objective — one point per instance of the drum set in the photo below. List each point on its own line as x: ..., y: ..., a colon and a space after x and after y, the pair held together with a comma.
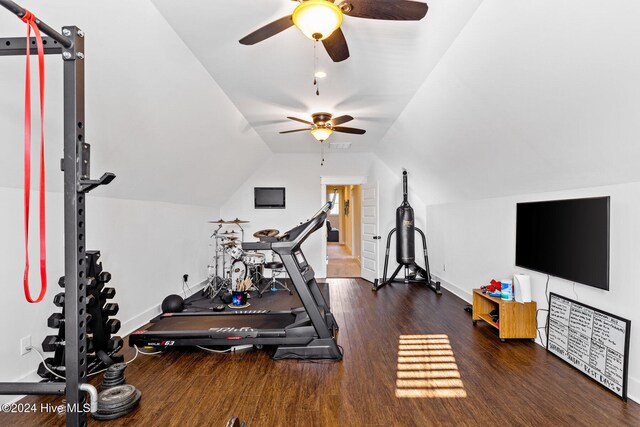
x: 230, y: 264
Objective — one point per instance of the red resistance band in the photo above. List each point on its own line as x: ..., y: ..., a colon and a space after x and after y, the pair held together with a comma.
x: 30, y: 20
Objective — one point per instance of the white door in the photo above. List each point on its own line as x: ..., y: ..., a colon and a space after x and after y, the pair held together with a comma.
x: 370, y: 236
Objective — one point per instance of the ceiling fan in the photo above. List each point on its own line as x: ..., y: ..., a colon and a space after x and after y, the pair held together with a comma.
x: 324, y: 125
x: 320, y: 20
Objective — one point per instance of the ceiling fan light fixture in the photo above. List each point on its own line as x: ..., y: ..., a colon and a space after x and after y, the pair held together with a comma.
x: 321, y: 133
x: 317, y: 19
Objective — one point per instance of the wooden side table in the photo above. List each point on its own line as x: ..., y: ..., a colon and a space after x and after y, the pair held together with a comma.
x: 517, y: 320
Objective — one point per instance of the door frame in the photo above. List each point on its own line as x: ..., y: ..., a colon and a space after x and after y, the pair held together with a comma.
x: 327, y: 181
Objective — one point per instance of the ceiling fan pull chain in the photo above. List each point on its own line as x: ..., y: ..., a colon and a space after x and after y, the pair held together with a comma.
x: 316, y: 83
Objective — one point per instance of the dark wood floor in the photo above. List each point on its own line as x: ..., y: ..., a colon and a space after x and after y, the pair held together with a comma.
x: 516, y: 383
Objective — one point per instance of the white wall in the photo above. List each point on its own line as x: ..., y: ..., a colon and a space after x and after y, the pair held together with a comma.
x: 154, y: 117
x: 301, y: 175
x: 146, y: 246
x: 476, y: 242
x: 557, y: 93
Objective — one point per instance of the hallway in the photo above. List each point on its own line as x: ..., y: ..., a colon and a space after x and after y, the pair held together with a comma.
x: 341, y: 262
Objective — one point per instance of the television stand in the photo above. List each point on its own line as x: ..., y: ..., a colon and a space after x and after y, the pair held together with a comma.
x: 517, y: 320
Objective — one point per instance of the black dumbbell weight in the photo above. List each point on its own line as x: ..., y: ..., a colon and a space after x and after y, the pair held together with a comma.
x: 113, y: 326
x: 114, y: 344
x: 108, y: 293
x: 58, y: 300
x: 51, y: 363
x: 56, y: 320
x: 51, y: 343
x: 110, y: 309
x: 104, y: 277
x: 91, y: 300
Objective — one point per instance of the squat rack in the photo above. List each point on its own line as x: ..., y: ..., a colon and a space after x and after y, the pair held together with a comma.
x: 77, y: 183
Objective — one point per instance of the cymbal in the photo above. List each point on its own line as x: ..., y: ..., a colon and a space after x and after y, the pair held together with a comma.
x: 220, y: 221
x: 267, y: 232
x: 230, y: 244
x: 238, y: 221
x: 230, y: 233
x: 231, y: 238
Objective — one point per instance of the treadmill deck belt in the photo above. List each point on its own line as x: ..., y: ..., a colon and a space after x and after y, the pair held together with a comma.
x: 205, y: 323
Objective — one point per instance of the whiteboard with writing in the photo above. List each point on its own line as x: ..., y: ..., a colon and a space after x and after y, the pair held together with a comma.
x: 593, y: 341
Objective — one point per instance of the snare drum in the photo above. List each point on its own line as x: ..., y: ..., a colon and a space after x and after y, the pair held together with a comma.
x: 235, y: 252
x: 253, y: 258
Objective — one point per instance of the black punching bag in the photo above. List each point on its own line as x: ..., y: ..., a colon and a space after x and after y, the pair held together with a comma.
x: 405, y: 247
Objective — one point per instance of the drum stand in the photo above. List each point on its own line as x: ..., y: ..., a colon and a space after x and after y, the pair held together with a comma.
x: 216, y: 283
x: 253, y: 272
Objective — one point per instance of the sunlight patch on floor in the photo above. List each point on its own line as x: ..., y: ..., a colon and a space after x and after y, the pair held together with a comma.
x: 427, y: 368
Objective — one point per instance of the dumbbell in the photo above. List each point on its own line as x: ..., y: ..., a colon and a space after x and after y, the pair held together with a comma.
x: 104, y: 277
x: 113, y: 326
x: 110, y: 309
x: 114, y: 344
x: 51, y: 343
x: 108, y: 293
x: 58, y: 300
x: 43, y: 372
x: 56, y: 320
x: 91, y: 300
x: 90, y: 281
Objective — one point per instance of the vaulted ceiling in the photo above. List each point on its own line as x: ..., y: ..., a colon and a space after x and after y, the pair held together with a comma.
x: 531, y: 97
x: 274, y: 79
x: 480, y: 99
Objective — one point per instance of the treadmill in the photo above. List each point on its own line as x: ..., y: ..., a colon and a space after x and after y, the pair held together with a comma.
x: 307, y: 332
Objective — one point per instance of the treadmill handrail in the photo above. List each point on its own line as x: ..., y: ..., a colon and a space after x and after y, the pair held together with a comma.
x: 307, y: 228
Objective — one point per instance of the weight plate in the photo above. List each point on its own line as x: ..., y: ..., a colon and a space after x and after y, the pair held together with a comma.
x: 123, y: 409
x: 108, y: 386
x: 109, y: 415
x: 115, y: 408
x: 116, y: 396
x: 117, y: 367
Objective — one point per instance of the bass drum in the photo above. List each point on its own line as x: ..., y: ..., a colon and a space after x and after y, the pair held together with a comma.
x: 253, y: 258
x: 238, y: 271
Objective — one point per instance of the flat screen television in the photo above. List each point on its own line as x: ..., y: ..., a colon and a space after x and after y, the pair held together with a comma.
x: 269, y: 197
x: 565, y: 238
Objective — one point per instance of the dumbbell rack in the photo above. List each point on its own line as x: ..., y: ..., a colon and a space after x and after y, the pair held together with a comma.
x: 77, y: 183
x: 101, y: 345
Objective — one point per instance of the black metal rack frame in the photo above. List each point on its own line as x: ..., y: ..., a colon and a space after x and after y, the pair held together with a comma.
x: 76, y: 167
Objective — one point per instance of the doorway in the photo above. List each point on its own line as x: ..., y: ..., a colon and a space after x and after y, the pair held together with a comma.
x: 344, y: 231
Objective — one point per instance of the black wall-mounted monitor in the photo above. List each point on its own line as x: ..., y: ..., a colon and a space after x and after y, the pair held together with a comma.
x: 565, y: 238
x: 269, y: 197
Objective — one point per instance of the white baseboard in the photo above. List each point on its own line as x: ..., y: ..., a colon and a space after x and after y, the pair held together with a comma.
x: 458, y: 291
x: 144, y: 317
x: 127, y: 327
x: 633, y: 390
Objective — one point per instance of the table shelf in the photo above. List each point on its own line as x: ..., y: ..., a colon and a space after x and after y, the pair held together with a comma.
x: 517, y: 320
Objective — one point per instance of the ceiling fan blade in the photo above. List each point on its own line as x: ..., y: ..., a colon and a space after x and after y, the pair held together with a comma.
x: 348, y: 130
x: 336, y: 46
x: 340, y: 120
x: 296, y: 130
x: 267, y: 31
x: 393, y: 10
x: 300, y: 120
